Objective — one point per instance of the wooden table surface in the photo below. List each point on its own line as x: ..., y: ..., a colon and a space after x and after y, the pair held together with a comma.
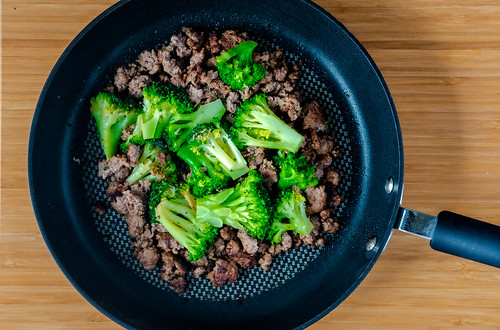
x: 441, y: 61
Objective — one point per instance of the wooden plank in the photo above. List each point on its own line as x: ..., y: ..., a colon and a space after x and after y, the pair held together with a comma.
x: 441, y: 60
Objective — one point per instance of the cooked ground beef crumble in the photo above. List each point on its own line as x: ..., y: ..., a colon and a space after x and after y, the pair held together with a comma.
x: 188, y: 60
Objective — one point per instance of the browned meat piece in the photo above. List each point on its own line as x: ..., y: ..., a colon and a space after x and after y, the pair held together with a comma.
x: 141, y: 189
x: 134, y: 152
x: 135, y: 224
x: 99, y: 207
x: 265, y: 261
x: 323, y: 144
x: 173, y: 266
x: 330, y: 225
x: 180, y: 46
x: 127, y: 131
x: 263, y: 246
x: 261, y: 57
x: 224, y: 272
x: 285, y: 245
x: 232, y: 101
x: 211, y: 62
x: 148, y: 60
x: 316, y: 198
x: 178, y: 284
x: 280, y: 73
x: 268, y: 171
x: 234, y: 252
x: 206, y: 77
x: 219, y: 247
x: 200, y: 271
x: 117, y: 168
x: 195, y: 94
x: 227, y: 233
x: 255, y: 157
x: 325, y: 214
x: 212, y: 43
x: 249, y: 243
x: 272, y: 87
x: 321, y: 165
x: 116, y: 188
x: 320, y: 242
x: 197, y: 57
x: 311, y: 238
x: 144, y: 240
x: 137, y: 84
x: 110, y: 88
x: 148, y: 257
x: 128, y: 204
x: 332, y: 176
x: 314, y: 118
x: 220, y: 87
x: 191, y: 77
x: 231, y: 39
x: 248, y: 92
x: 287, y: 104
x: 123, y: 77
x: 195, y: 39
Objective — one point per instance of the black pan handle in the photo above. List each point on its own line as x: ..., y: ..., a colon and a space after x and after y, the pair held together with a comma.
x: 455, y: 234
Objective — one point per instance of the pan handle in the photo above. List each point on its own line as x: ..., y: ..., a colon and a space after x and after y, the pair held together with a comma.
x: 454, y: 234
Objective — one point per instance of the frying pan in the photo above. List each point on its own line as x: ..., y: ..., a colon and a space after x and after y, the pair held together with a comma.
x: 305, y: 284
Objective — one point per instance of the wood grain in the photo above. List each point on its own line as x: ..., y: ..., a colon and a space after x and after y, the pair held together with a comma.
x: 441, y: 61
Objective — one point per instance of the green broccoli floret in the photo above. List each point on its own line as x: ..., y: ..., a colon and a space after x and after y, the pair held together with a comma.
x: 182, y: 124
x: 246, y: 206
x: 112, y: 115
x: 206, y: 176
x: 294, y: 169
x: 161, y: 101
x: 136, y: 136
x: 159, y: 190
x: 255, y: 124
x: 236, y: 67
x: 212, y: 142
x: 290, y: 214
x: 178, y: 215
x: 153, y: 168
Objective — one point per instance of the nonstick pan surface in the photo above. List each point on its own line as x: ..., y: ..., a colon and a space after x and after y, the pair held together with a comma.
x: 93, y: 252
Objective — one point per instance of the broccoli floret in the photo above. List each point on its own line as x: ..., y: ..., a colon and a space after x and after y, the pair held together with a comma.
x: 255, y: 124
x: 153, y: 168
x: 213, y: 142
x: 246, y: 206
x: 178, y: 215
x: 236, y: 67
x: 294, y: 169
x: 206, y: 177
x: 161, y: 101
x: 182, y: 124
x: 136, y: 136
x: 112, y: 115
x: 290, y: 214
x: 159, y: 190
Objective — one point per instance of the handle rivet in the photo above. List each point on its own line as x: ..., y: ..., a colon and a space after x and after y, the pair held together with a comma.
x: 370, y: 245
x: 389, y: 185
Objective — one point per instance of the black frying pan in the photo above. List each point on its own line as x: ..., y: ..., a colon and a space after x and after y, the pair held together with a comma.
x: 304, y: 285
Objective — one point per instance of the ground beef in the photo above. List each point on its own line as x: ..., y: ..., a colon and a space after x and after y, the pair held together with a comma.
x: 250, y: 244
x: 148, y: 257
x: 316, y: 199
x: 189, y: 60
x: 148, y: 61
x: 116, y: 168
x: 314, y: 118
x: 268, y: 171
x: 224, y: 272
x: 134, y: 152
